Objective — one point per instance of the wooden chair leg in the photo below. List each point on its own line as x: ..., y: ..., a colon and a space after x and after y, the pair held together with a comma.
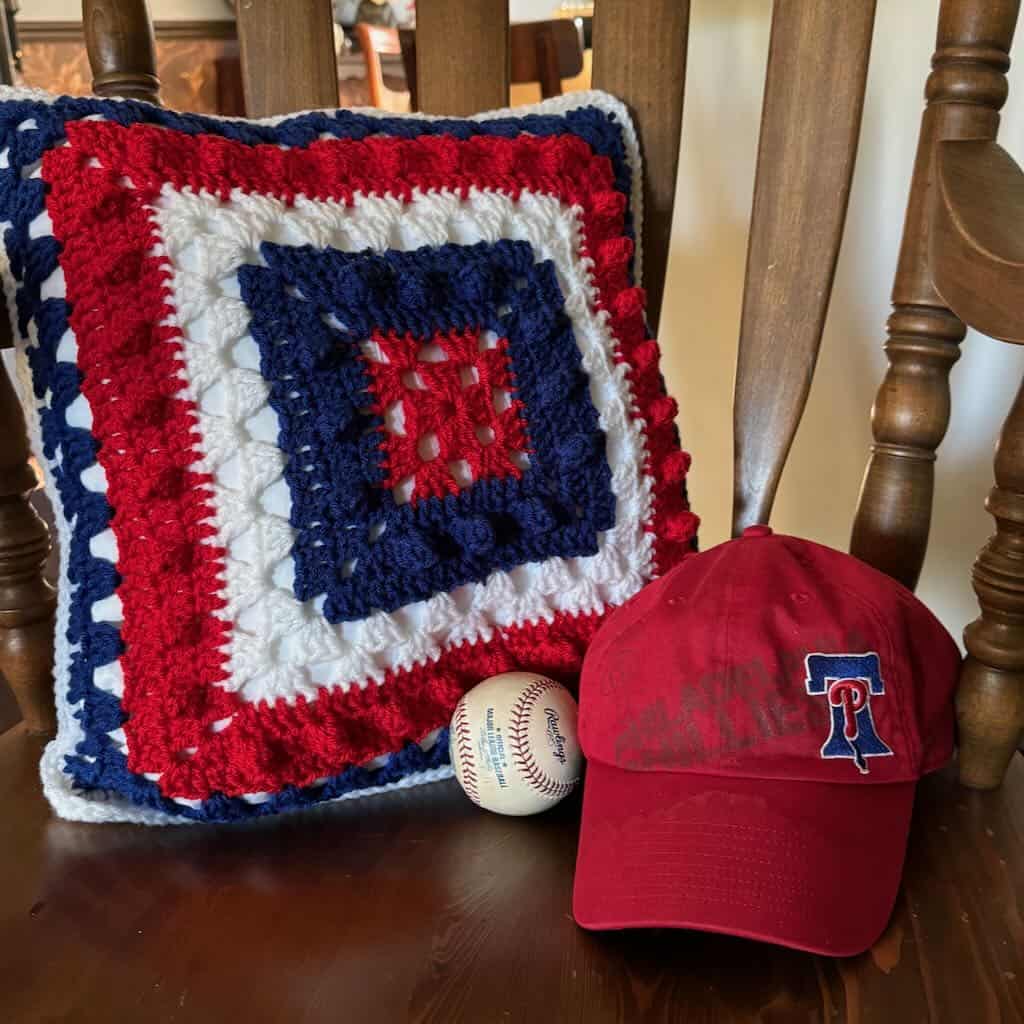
x: 27, y: 601
x: 990, y: 698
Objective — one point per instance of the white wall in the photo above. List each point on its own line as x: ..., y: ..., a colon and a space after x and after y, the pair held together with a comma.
x: 531, y: 10
x: 728, y: 47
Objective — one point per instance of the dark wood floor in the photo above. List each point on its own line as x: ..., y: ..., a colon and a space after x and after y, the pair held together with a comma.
x: 419, y: 907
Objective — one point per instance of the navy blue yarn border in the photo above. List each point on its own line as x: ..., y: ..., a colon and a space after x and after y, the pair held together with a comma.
x: 98, y: 764
x: 318, y: 383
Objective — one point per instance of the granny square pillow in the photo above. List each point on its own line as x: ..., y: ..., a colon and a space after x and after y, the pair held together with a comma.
x: 341, y: 413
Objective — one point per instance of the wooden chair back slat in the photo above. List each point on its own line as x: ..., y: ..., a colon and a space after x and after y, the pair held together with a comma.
x: 804, y: 167
x: 288, y: 59
x: 539, y: 51
x: 640, y: 56
x: 462, y: 63
x: 122, y: 52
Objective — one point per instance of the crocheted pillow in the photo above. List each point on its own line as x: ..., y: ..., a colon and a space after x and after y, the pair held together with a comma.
x: 341, y: 413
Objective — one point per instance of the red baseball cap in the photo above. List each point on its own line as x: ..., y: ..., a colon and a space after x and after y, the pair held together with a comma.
x: 755, y: 723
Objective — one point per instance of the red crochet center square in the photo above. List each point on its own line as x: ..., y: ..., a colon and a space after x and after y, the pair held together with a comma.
x: 100, y: 189
x: 449, y: 409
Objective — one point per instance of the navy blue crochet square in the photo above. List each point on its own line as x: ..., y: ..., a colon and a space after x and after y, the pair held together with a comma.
x: 312, y: 309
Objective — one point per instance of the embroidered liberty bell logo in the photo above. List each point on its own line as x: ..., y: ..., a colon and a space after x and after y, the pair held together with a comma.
x: 849, y: 681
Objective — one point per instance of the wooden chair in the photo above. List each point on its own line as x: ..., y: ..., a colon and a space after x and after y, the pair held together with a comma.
x: 376, y: 41
x: 539, y: 51
x: 417, y: 906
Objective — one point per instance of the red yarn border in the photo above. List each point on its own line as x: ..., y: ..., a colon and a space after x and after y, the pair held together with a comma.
x: 448, y: 407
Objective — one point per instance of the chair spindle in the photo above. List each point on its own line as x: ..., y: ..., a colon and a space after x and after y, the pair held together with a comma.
x: 122, y: 52
x: 27, y: 601
x: 990, y: 698
x: 965, y: 91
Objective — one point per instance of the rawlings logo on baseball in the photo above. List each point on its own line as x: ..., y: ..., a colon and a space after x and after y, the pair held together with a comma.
x: 555, y: 739
x: 513, y: 743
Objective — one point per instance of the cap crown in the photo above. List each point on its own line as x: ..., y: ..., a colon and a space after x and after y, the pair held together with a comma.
x: 772, y: 657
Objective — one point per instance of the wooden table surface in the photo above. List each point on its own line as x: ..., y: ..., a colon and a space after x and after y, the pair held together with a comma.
x: 419, y: 907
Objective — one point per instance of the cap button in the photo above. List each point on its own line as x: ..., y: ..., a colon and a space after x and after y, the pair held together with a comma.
x: 757, y: 531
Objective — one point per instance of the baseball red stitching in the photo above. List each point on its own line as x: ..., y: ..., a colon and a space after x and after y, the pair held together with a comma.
x: 519, y: 743
x: 462, y: 743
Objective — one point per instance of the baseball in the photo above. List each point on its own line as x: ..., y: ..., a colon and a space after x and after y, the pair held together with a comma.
x: 513, y: 743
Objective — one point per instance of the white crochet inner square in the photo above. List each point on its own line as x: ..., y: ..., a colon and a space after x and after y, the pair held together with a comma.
x: 280, y: 647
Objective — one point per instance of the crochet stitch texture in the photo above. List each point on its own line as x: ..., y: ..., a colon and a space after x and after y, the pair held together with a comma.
x: 343, y: 414
x: 358, y: 543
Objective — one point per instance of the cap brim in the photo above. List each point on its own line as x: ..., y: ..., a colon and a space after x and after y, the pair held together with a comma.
x: 810, y: 865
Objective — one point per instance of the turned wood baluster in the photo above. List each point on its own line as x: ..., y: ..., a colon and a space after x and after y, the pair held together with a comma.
x: 990, y: 699
x: 27, y: 601
x: 965, y: 91
x: 122, y: 53
x: 119, y: 37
